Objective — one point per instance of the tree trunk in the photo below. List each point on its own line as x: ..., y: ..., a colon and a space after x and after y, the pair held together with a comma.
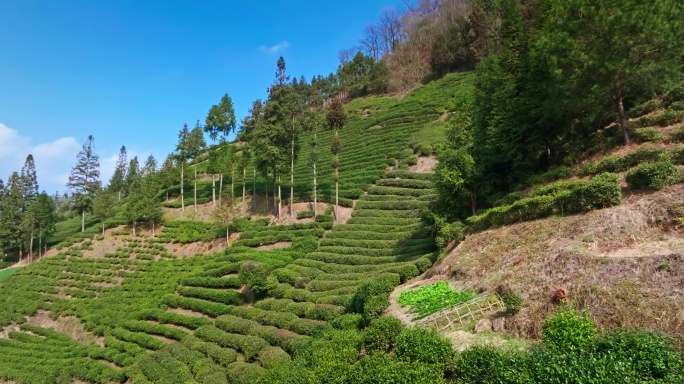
x: 31, y: 247
x: 244, y: 187
x: 623, y: 119
x: 213, y: 190
x: 221, y: 188
x: 254, y: 190
x: 103, y: 228
x: 315, y: 185
x: 182, y: 194
x: 83, y: 220
x: 232, y: 188
x: 337, y: 197
x: 473, y: 206
x: 195, y: 189
x: 315, y: 207
x: 266, y: 191
x: 119, y: 195
x: 134, y: 229
x: 228, y: 234
x: 40, y: 246
x: 153, y: 228
x: 292, y: 171
x: 280, y: 196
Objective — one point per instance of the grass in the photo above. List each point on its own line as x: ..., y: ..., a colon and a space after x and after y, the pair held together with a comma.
x: 7, y: 272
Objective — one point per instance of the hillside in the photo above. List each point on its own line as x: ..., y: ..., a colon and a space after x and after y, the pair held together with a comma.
x: 305, y: 299
x: 152, y: 308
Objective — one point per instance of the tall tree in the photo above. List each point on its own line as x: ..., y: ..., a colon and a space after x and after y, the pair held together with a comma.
x: 118, y: 181
x: 313, y: 119
x: 84, y: 179
x: 150, y: 166
x: 196, y: 145
x: 336, y: 118
x: 143, y: 203
x: 220, y: 119
x: 618, y: 46
x: 39, y: 220
x: 11, y: 215
x: 133, y: 172
x: 29, y: 181
x: 294, y: 106
x: 104, y: 207
x: 182, y: 156
x: 248, y: 126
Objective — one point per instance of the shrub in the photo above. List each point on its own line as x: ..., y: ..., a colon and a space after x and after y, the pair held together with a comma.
x: 244, y: 373
x: 272, y: 357
x: 568, y: 331
x: 645, y: 135
x: 425, y: 346
x: 255, y: 276
x: 366, y: 291
x: 348, y: 321
x: 652, y: 175
x: 562, y: 197
x: 452, y: 231
x: 374, y: 306
x: 644, y: 108
x: 678, y: 135
x: 382, y: 368
x: 381, y: 333
x: 305, y: 214
x: 650, y: 354
x: 678, y: 156
x: 512, y: 302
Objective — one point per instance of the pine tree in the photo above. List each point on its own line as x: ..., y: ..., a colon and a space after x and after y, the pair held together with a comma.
x: 150, y: 166
x: 84, y: 179
x: 11, y: 215
x: 103, y: 207
x: 336, y: 118
x: 220, y: 119
x: 118, y: 181
x: 196, y: 145
x: 29, y: 181
x: 143, y: 204
x: 39, y: 220
x: 133, y: 172
x: 182, y: 156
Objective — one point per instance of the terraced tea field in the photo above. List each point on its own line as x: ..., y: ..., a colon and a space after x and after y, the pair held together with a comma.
x: 153, y: 316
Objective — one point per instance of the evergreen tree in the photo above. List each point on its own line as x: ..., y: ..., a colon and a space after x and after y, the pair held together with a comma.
x: 220, y: 119
x: 118, y: 181
x: 133, y: 172
x: 143, y: 204
x: 617, y: 46
x: 247, y: 128
x: 29, y: 181
x: 150, y: 166
x: 39, y: 220
x: 84, y: 179
x: 11, y: 216
x: 182, y: 156
x: 104, y: 207
x: 313, y: 119
x: 336, y: 118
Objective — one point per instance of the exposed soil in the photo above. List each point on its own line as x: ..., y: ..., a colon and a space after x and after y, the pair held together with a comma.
x: 191, y: 249
x: 187, y: 312
x: 68, y: 325
x: 278, y: 245
x: 344, y: 214
x: 624, y: 264
x: 425, y: 165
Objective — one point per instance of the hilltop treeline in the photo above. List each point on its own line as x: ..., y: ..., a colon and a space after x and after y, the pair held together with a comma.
x: 547, y: 86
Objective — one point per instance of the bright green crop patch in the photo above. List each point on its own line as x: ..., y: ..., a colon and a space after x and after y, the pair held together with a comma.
x: 431, y: 298
x: 7, y: 272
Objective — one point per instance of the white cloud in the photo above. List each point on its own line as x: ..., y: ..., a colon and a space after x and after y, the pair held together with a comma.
x: 53, y: 159
x: 274, y: 49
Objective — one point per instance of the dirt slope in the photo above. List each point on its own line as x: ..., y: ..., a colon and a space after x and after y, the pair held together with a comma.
x: 625, y: 264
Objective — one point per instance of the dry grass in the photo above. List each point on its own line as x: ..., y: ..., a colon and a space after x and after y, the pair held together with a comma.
x: 625, y: 265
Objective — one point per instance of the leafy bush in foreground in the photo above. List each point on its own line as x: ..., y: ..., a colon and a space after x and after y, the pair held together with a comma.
x: 653, y: 175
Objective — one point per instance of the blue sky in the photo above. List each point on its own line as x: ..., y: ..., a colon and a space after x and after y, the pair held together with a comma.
x: 132, y: 72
